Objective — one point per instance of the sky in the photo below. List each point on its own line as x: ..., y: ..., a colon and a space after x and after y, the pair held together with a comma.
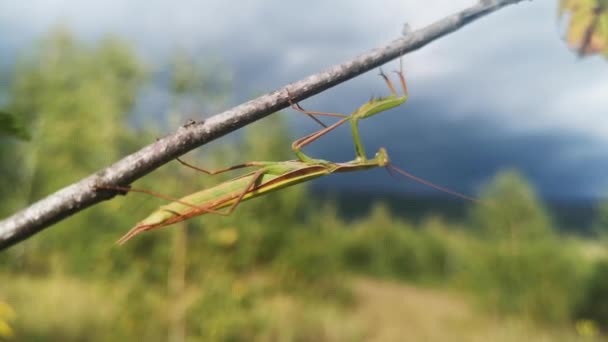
x: 504, y: 92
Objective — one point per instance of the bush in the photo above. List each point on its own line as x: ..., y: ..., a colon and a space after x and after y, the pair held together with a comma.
x: 381, y: 246
x: 593, y: 304
x: 309, y: 263
x: 520, y: 266
x: 225, y: 311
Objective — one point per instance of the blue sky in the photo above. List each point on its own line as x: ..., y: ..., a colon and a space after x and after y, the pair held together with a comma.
x: 503, y: 92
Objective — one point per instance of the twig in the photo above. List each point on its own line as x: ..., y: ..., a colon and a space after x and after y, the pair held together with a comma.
x: 82, y: 194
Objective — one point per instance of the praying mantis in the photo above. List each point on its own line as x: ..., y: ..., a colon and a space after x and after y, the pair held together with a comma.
x: 275, y: 175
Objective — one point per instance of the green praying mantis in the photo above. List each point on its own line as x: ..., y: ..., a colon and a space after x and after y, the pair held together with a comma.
x: 275, y: 175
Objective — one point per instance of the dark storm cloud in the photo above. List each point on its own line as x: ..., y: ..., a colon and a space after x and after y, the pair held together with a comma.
x: 503, y: 92
x: 463, y: 151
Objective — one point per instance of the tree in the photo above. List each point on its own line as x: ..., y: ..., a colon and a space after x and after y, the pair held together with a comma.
x: 520, y: 265
x: 74, y: 99
x: 600, y: 226
x: 11, y: 126
x: 513, y: 211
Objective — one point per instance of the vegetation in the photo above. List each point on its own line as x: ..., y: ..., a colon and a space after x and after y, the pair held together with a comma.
x: 280, y: 268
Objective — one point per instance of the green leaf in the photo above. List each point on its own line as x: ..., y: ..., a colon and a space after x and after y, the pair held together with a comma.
x: 10, y: 125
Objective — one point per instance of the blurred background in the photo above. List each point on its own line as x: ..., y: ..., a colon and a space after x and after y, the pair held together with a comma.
x: 510, y: 109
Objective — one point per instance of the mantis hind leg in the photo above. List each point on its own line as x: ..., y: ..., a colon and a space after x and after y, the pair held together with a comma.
x: 141, y: 228
x: 254, y: 179
x: 131, y: 233
x: 219, y: 171
x: 175, y: 219
x: 197, y: 210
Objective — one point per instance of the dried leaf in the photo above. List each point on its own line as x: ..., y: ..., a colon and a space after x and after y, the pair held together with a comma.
x: 588, y: 27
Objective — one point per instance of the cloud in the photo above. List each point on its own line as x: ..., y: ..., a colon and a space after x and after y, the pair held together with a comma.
x: 465, y: 154
x: 504, y: 91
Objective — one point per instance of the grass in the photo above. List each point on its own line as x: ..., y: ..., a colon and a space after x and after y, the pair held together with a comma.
x: 59, y: 307
x: 67, y: 309
x: 397, y: 311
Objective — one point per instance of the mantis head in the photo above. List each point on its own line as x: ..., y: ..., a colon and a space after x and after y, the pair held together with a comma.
x: 382, y: 157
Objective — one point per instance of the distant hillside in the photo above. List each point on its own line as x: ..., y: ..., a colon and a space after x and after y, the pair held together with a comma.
x: 569, y: 216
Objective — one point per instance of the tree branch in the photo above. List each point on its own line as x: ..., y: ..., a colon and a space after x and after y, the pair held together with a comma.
x: 82, y: 194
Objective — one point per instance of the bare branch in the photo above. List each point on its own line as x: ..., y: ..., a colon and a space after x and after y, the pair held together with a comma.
x: 82, y: 194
